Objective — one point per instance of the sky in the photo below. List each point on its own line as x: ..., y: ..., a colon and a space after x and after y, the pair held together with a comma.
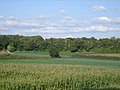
x: 60, y: 18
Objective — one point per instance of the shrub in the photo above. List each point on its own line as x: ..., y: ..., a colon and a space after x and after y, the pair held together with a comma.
x: 11, y: 47
x: 53, y: 52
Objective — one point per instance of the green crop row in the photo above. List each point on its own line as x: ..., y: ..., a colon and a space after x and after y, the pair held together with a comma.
x: 56, y: 77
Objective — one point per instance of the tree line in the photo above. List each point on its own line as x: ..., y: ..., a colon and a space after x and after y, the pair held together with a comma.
x: 38, y: 43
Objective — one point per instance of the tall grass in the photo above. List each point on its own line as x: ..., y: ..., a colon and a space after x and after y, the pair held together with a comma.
x: 96, y: 56
x: 17, y: 56
x: 57, y: 77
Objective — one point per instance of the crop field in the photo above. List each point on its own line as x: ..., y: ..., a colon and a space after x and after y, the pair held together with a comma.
x: 66, y: 73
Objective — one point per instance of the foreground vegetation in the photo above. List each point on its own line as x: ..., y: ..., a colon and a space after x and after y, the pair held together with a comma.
x: 74, y: 71
x: 57, y: 77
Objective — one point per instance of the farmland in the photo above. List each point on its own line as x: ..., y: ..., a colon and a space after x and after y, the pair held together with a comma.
x: 59, y: 44
x: 55, y: 77
x: 66, y: 73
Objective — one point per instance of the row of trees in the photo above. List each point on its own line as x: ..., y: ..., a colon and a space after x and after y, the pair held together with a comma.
x: 37, y: 43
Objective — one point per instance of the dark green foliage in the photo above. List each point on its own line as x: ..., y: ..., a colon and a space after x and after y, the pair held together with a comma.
x: 11, y: 47
x: 37, y: 43
x: 53, y: 52
x: 74, y: 49
x: 4, y: 41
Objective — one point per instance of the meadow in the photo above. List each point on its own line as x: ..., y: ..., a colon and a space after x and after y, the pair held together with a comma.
x: 66, y: 73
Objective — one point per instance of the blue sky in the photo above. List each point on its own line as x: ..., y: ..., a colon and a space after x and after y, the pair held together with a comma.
x: 61, y: 18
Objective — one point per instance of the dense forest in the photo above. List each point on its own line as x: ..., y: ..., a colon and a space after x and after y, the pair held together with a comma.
x: 37, y: 43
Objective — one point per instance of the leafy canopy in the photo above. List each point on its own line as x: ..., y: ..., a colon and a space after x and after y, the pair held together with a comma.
x: 53, y: 52
x: 11, y: 47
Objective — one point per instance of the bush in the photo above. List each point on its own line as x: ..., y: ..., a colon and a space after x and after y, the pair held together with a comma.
x: 53, y: 52
x: 11, y: 47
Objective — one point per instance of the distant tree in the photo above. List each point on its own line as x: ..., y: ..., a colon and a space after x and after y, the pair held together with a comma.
x: 53, y: 52
x: 11, y: 47
x: 4, y: 41
x: 37, y: 43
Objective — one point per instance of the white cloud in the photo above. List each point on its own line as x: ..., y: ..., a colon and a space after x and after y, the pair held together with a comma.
x: 116, y: 20
x: 25, y: 23
x: 69, y: 18
x: 12, y: 18
x: 102, y: 28
x: 108, y: 20
x: 2, y: 27
x: 94, y: 28
x: 62, y: 11
x: 99, y: 8
x: 2, y: 17
x: 104, y: 19
x: 68, y: 26
x: 99, y: 28
x: 69, y: 21
x: 51, y: 30
x: 69, y: 36
x: 42, y: 31
x: 42, y: 17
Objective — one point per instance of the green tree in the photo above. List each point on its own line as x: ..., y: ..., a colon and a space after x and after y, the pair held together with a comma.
x: 11, y: 47
x: 53, y: 52
x: 4, y: 41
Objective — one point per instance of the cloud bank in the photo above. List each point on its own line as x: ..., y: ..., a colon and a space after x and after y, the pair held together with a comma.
x: 99, y: 8
x: 59, y: 26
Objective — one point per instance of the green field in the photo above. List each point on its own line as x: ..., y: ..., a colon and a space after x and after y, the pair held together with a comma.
x: 66, y: 73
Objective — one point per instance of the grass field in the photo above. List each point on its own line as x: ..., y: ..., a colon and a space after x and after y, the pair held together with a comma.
x: 64, y: 73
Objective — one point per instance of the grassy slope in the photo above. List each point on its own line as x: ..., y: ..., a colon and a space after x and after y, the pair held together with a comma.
x: 66, y: 59
x: 71, y: 61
